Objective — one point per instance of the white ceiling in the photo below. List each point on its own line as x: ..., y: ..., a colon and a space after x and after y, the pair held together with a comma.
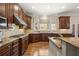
x: 50, y: 8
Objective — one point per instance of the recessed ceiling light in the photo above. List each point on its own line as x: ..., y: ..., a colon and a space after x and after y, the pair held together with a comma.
x: 33, y: 7
x: 77, y: 6
x: 48, y: 7
x: 63, y: 7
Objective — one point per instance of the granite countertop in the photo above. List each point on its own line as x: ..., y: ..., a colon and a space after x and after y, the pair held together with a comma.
x: 71, y: 40
x: 7, y: 40
x: 57, y: 42
x: 61, y: 31
x: 11, y: 39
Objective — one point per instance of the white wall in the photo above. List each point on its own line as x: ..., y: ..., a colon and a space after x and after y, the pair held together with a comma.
x: 74, y: 20
x: 54, y: 20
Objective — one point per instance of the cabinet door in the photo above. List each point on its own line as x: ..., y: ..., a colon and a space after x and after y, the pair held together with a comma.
x: 23, y: 45
x: 45, y: 36
x: 64, y: 22
x: 15, y: 48
x: 29, y: 21
x: 2, y: 9
x: 9, y: 13
x: 26, y: 42
x: 35, y: 37
x: 5, y: 50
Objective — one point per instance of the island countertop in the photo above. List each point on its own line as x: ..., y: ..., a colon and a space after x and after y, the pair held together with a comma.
x: 71, y: 40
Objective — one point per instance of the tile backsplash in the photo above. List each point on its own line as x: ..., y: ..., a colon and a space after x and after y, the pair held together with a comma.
x: 11, y: 32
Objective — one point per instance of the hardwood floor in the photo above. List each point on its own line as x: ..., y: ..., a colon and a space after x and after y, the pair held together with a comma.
x: 37, y: 49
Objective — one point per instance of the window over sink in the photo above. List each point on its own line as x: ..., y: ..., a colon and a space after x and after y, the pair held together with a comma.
x: 43, y: 27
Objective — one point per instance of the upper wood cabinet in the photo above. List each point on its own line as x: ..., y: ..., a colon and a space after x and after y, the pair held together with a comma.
x: 20, y: 12
x: 64, y: 22
x: 9, y: 9
x: 2, y: 9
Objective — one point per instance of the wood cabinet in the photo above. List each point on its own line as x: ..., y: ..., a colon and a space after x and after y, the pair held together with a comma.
x: 10, y: 49
x: 64, y: 22
x: 15, y: 48
x: 40, y: 37
x: 29, y: 21
x: 68, y: 35
x: 9, y: 9
x: 2, y: 9
x: 20, y: 13
x: 45, y: 36
x: 5, y: 50
x: 23, y: 45
x: 37, y: 37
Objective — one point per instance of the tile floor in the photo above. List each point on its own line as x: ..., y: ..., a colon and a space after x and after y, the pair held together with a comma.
x: 37, y: 49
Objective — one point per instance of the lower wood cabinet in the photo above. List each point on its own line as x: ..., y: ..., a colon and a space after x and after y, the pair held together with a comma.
x: 23, y: 45
x: 68, y: 35
x: 10, y: 49
x: 15, y: 48
x: 36, y: 37
x: 5, y: 50
x: 44, y: 36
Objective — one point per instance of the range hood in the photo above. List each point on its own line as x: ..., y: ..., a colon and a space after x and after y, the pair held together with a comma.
x: 19, y: 21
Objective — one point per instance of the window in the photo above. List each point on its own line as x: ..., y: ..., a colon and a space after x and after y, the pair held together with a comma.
x: 53, y: 27
x: 43, y: 27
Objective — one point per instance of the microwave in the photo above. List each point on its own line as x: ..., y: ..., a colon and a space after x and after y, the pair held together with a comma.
x: 3, y: 22
x: 1, y: 36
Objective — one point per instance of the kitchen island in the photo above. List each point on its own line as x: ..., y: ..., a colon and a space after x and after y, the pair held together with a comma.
x: 64, y: 46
